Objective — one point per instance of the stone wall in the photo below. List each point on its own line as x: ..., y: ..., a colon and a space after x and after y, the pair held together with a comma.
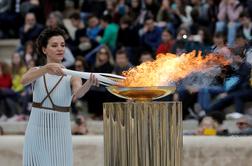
x: 7, y: 48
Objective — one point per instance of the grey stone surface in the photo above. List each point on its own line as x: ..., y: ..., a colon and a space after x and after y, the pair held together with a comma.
x: 7, y: 48
x: 197, y: 151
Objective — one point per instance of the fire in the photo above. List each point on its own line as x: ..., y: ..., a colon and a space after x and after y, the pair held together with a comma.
x: 169, y: 68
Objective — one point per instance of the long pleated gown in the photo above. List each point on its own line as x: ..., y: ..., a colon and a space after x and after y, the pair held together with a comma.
x: 48, y: 140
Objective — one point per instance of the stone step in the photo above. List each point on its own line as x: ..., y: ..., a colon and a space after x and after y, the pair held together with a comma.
x: 96, y: 127
x: 197, y: 151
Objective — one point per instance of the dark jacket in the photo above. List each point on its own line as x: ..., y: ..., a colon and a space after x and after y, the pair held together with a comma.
x: 31, y: 34
x: 243, y: 77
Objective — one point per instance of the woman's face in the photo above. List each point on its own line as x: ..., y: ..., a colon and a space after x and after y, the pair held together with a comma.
x: 79, y: 66
x: 166, y: 36
x: 110, y: 5
x: 103, y: 55
x: 93, y: 22
x: 218, y: 41
x: 134, y: 3
x: 55, y: 49
x: 51, y: 21
x: 16, y: 59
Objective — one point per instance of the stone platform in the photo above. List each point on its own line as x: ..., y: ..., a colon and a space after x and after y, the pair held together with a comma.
x: 197, y: 151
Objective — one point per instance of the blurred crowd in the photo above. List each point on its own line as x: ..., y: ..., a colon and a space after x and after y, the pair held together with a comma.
x: 114, y: 35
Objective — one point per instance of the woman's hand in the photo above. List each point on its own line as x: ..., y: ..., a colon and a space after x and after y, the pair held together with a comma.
x: 54, y: 68
x: 35, y: 72
x: 92, y: 81
x: 80, y: 90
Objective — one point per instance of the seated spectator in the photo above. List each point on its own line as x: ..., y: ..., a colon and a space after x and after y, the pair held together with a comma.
x: 207, y: 126
x: 213, y: 8
x: 8, y: 106
x: 219, y: 46
x: 111, y: 11
x: 202, y: 41
x: 244, y: 124
x: 89, y: 7
x: 35, y: 7
x: 201, y: 10
x: 125, y: 31
x: 29, y: 52
x: 5, y: 75
x: 93, y: 28
x: 104, y: 61
x: 183, y: 11
x: 80, y: 126
x: 79, y: 65
x: 229, y: 12
x: 9, y: 19
x: 241, y: 41
x: 121, y: 62
x: 152, y: 7
x: 131, y: 46
x: 109, y: 36
x: 55, y: 19
x: 187, y: 42
x: 30, y: 55
x: 27, y: 94
x: 18, y: 69
x: 82, y: 42
x: 98, y: 95
x: 150, y: 34
x: 145, y: 57
x: 121, y: 8
x: 30, y: 30
x: 182, y: 43
x: 211, y: 125
x: 167, y: 42
x: 135, y: 12
x: 246, y: 25
x: 237, y: 87
x: 167, y: 18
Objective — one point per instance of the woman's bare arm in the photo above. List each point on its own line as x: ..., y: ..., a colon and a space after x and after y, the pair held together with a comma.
x: 36, y: 72
x: 80, y: 90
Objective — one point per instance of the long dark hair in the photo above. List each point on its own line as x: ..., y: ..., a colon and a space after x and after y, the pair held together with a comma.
x: 45, y: 35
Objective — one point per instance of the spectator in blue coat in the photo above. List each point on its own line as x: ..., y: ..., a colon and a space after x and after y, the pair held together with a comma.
x: 150, y: 34
x: 30, y: 30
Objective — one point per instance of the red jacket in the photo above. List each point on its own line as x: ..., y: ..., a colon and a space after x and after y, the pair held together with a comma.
x: 5, y: 81
x: 165, y: 47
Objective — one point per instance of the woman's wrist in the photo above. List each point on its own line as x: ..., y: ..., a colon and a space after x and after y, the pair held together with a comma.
x: 44, y: 69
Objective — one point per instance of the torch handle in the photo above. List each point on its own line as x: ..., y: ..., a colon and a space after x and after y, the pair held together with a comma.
x: 86, y: 75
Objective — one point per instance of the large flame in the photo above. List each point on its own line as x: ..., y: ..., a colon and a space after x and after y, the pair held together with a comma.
x: 169, y: 68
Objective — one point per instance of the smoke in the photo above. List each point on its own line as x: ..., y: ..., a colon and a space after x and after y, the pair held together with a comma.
x: 200, y: 79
